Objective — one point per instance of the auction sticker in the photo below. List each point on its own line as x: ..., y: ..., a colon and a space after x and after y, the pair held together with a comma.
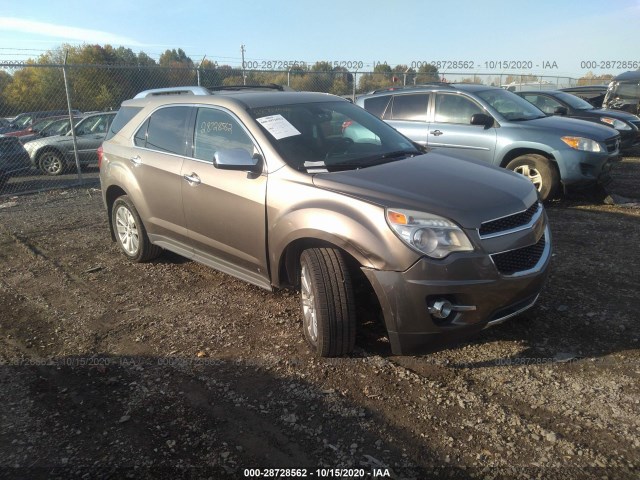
x: 278, y: 126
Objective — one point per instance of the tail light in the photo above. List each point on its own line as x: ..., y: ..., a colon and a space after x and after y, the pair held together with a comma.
x: 100, y: 154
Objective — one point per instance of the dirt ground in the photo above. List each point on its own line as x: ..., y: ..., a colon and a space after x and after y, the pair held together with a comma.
x: 172, y: 370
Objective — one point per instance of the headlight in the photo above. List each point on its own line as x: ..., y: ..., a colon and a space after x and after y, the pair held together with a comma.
x: 430, y: 234
x: 581, y: 143
x: 615, y: 123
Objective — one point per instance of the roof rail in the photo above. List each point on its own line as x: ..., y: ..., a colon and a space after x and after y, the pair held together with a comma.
x: 173, y: 91
x: 269, y: 86
x: 407, y: 87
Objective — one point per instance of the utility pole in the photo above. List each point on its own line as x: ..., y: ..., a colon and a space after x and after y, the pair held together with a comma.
x: 244, y: 77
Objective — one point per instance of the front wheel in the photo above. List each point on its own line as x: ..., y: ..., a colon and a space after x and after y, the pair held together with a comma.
x: 327, y: 299
x: 51, y: 163
x: 540, y: 171
x: 130, y: 232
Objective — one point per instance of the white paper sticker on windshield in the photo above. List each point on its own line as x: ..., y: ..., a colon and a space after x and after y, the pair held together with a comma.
x: 315, y: 167
x: 278, y: 126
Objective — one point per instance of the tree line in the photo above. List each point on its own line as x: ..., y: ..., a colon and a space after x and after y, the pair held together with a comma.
x: 101, y: 77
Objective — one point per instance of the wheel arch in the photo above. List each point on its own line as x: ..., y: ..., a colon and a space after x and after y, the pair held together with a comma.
x: 285, y: 274
x: 518, y: 152
x: 111, y: 194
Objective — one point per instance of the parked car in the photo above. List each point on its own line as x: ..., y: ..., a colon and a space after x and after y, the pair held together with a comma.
x: 25, y: 120
x: 14, y: 159
x: 31, y: 132
x: 264, y: 186
x: 565, y: 104
x: 53, y: 155
x: 623, y: 93
x: 498, y: 127
x: 594, y: 94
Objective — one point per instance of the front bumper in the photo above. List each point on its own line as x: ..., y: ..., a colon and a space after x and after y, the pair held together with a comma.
x: 585, y: 168
x: 462, y: 279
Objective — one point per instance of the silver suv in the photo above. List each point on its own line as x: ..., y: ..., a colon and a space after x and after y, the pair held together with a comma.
x: 265, y: 185
x: 498, y: 127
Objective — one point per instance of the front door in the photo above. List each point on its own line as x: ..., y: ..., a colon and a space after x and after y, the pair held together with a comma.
x: 451, y: 129
x: 225, y: 210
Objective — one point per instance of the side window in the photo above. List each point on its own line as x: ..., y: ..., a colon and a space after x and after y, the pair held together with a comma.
x: 455, y: 109
x: 377, y: 105
x: 410, y: 107
x: 124, y: 115
x: 546, y: 104
x: 167, y: 130
x: 216, y: 130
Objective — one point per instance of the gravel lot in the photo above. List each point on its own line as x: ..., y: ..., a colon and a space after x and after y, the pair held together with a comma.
x: 169, y: 369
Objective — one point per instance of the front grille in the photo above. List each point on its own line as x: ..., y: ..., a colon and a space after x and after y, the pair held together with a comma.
x: 612, y: 143
x: 510, y: 222
x: 519, y: 260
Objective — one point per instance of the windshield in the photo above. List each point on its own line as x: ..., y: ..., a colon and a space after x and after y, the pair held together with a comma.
x: 59, y: 127
x: 509, y: 105
x: 23, y: 121
x: 331, y: 136
x: 573, y: 101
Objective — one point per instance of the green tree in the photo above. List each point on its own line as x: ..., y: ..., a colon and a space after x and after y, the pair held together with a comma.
x: 427, y: 73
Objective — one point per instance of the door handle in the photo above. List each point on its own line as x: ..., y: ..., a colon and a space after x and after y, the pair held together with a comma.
x: 136, y: 160
x: 436, y: 133
x: 193, y: 179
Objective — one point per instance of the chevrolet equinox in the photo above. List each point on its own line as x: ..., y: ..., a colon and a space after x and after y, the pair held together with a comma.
x: 264, y: 185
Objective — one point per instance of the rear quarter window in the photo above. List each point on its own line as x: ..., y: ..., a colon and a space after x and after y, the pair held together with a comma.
x: 377, y: 105
x: 124, y: 115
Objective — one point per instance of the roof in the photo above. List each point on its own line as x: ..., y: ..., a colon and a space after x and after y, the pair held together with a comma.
x: 633, y: 75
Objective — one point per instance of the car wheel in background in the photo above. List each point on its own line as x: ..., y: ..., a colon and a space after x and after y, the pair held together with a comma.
x: 327, y: 299
x: 51, y: 163
x: 130, y: 232
x: 540, y: 171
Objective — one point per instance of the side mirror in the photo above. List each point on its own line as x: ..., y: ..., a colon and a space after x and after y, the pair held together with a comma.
x: 237, y: 159
x: 482, y: 119
x: 560, y: 111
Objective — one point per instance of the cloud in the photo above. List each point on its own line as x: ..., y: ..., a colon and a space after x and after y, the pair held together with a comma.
x: 64, y: 32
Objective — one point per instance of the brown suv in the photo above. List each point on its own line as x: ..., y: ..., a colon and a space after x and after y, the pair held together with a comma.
x: 273, y: 188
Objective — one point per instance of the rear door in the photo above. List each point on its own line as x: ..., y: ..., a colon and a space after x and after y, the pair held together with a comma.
x: 224, y: 209
x: 156, y: 162
x: 451, y: 128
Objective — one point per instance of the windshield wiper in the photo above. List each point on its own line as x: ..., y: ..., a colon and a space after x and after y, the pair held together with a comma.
x: 369, y: 161
x: 522, y: 119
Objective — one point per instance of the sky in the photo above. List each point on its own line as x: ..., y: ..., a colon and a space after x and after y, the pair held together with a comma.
x: 543, y: 37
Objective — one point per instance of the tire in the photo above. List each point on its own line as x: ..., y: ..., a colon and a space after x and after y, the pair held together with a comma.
x: 540, y: 171
x: 51, y: 163
x: 130, y: 233
x: 327, y: 301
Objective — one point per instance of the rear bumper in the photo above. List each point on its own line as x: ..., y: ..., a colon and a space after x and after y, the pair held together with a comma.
x: 471, y: 280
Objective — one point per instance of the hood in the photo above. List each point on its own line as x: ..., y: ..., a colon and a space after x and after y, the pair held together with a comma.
x: 619, y: 114
x: 465, y: 191
x: 571, y: 127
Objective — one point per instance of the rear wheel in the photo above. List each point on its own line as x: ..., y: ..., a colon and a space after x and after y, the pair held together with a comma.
x: 327, y: 299
x: 540, y: 171
x: 130, y: 232
x: 51, y: 163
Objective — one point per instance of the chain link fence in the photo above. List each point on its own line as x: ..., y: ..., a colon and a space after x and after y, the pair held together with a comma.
x: 54, y: 117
